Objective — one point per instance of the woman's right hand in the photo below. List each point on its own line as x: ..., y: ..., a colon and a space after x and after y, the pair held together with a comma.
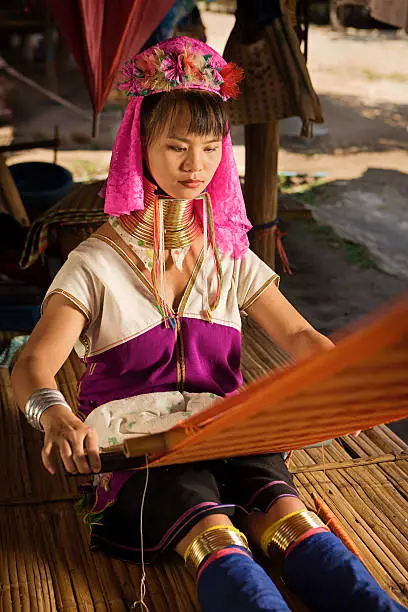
x: 75, y: 441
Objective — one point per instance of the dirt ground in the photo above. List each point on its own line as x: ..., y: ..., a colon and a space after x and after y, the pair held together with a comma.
x: 362, y: 81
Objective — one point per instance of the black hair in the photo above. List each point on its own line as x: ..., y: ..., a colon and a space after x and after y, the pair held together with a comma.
x: 207, y: 111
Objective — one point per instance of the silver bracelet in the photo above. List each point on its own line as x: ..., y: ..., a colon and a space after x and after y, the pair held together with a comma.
x: 39, y: 401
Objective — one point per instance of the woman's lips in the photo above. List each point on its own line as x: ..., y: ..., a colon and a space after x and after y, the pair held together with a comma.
x: 192, y: 184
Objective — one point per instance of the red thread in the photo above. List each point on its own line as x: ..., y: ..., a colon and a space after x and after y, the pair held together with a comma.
x: 329, y: 518
x: 281, y: 251
x: 324, y: 473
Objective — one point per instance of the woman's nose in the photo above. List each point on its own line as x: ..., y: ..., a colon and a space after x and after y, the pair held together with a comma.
x: 193, y: 162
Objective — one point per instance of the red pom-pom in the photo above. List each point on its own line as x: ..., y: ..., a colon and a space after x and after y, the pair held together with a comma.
x: 232, y: 75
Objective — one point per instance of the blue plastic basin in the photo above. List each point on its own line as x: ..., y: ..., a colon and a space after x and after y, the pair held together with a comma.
x: 41, y: 184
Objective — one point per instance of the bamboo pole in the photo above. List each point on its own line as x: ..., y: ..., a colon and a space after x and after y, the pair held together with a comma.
x: 261, y: 186
x: 77, y: 365
x: 352, y: 463
x: 5, y: 567
x: 50, y: 143
x: 12, y: 198
x: 397, y: 476
x: 63, y: 590
x: 73, y: 557
x: 371, y: 447
x: 395, y: 471
x: 12, y: 451
x: 122, y: 574
x: 389, y: 434
x: 45, y: 579
x: 384, y: 566
x: 35, y: 599
x: 268, y: 354
x: 19, y: 582
x: 252, y: 364
x: 359, y: 447
x: 382, y: 495
x: 21, y: 77
x: 343, y: 512
x: 375, y: 483
x: 103, y: 582
x: 248, y: 373
x: 378, y: 437
x: 360, y: 502
x: 376, y: 509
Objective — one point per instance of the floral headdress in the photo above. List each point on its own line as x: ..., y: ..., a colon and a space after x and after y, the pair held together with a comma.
x: 178, y: 64
x: 161, y: 70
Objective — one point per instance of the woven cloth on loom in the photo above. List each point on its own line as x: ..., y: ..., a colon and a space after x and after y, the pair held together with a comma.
x: 360, y: 383
x: 81, y: 207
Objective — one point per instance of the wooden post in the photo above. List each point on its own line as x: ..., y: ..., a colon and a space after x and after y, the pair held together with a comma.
x: 57, y: 140
x: 96, y: 124
x: 261, y: 185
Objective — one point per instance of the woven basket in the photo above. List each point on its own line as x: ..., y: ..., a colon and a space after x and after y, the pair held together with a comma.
x: 277, y: 83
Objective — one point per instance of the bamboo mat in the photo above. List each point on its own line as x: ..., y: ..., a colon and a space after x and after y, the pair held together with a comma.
x: 45, y: 563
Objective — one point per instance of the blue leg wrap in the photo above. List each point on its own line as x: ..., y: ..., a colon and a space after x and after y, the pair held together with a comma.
x: 235, y: 582
x: 322, y: 572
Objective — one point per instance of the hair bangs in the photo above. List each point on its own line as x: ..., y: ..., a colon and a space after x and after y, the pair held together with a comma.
x: 201, y: 113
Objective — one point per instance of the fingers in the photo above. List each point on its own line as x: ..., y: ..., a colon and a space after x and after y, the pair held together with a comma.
x: 48, y: 457
x: 92, y: 448
x: 78, y: 449
x: 77, y: 442
x: 86, y: 451
x: 66, y: 455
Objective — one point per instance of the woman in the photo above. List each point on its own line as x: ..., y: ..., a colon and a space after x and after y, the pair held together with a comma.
x: 152, y: 303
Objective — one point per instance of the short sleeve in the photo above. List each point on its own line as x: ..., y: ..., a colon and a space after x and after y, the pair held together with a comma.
x: 252, y: 277
x: 77, y: 283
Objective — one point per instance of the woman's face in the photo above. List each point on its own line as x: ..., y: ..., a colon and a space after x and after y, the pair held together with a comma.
x: 181, y: 163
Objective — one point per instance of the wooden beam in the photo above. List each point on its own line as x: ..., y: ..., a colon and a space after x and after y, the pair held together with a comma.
x: 337, y: 465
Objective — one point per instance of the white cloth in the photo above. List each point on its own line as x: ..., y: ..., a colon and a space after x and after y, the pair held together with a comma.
x: 146, y: 414
x: 101, y: 281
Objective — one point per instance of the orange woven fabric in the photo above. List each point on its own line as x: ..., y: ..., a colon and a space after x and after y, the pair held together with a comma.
x: 362, y: 382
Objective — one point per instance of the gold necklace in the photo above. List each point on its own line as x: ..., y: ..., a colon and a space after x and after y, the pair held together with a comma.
x: 181, y: 225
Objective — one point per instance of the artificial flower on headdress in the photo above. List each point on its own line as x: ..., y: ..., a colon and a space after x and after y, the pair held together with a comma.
x: 158, y: 71
x: 232, y: 75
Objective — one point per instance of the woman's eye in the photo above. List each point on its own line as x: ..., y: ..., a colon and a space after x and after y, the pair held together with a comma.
x: 210, y: 150
x: 177, y: 149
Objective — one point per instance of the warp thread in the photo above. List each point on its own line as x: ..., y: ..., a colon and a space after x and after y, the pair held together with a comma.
x: 141, y: 601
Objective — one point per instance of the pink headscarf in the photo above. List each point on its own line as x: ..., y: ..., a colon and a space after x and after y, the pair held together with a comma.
x: 179, y: 63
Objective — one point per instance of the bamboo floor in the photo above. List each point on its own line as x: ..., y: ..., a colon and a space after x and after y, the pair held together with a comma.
x: 45, y: 562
